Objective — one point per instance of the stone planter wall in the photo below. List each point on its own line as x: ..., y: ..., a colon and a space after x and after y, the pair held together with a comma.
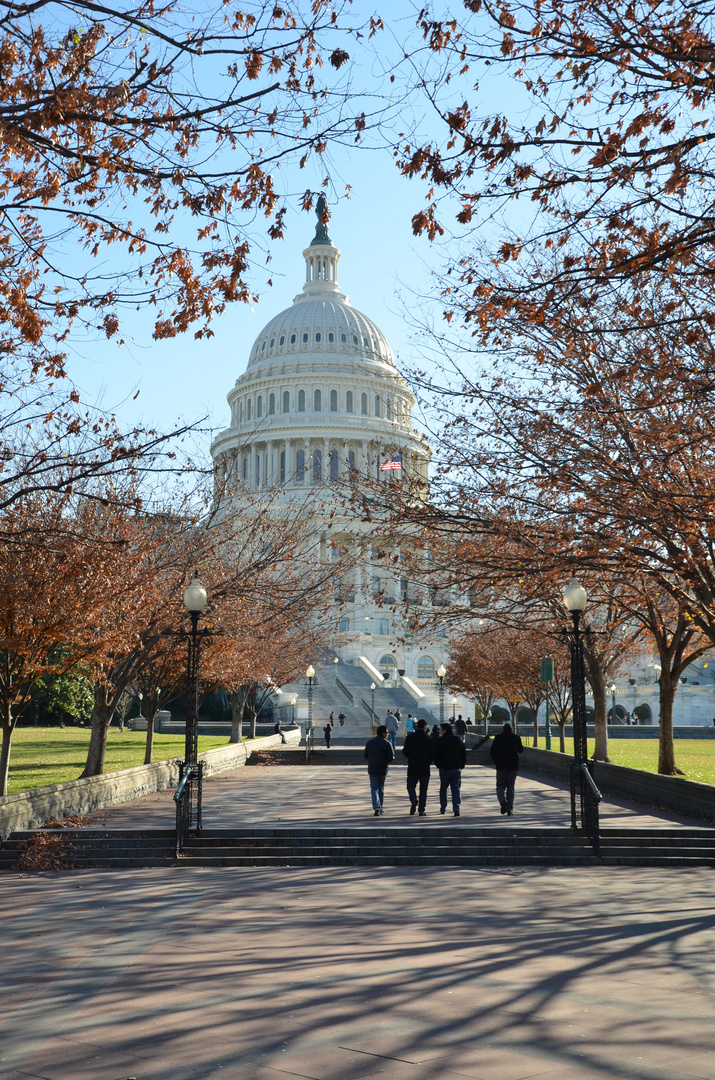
x: 31, y: 809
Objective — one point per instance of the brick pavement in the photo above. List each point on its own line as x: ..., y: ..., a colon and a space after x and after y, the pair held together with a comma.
x: 334, y: 974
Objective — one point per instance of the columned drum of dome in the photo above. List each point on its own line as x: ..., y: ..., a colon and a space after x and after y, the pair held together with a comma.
x: 320, y: 405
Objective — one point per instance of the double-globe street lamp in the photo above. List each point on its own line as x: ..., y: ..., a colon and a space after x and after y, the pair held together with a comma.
x: 441, y: 672
x: 584, y: 793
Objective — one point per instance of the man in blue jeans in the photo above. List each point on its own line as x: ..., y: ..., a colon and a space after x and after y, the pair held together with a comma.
x: 379, y: 755
x: 450, y: 757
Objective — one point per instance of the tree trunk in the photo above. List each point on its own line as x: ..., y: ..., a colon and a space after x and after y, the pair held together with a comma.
x: 598, y: 688
x: 7, y: 730
x: 149, y: 748
x: 252, y: 725
x: 562, y: 739
x: 666, y: 750
x: 101, y: 719
x: 238, y: 702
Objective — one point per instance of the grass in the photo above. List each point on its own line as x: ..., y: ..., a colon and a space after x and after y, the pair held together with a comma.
x: 52, y: 755
x: 696, y: 757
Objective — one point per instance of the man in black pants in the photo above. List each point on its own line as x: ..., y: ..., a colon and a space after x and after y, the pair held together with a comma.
x: 450, y: 757
x: 419, y: 751
x: 504, y: 753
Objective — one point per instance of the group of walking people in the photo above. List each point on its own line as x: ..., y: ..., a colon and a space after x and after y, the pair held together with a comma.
x: 448, y: 753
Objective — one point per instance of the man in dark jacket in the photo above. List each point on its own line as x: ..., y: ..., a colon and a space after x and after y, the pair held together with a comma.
x: 450, y: 757
x: 378, y: 754
x: 505, y: 752
x: 419, y: 751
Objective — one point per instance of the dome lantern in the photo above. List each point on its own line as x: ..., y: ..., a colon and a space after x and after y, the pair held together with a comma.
x: 321, y: 257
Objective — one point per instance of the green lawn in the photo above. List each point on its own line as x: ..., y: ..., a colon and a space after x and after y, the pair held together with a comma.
x: 696, y: 757
x: 43, y: 756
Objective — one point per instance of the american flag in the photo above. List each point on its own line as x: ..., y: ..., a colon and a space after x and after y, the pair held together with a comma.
x: 394, y: 463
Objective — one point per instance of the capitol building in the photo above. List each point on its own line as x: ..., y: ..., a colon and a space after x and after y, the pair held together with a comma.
x: 321, y: 408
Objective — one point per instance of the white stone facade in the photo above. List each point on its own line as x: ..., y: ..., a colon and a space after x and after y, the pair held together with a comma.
x: 319, y: 408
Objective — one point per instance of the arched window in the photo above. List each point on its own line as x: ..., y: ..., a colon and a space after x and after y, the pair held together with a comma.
x: 333, y: 400
x: 349, y: 401
x: 317, y: 464
x: 334, y: 465
x: 283, y: 467
x: 272, y: 405
x: 377, y: 404
x: 317, y: 401
x: 388, y: 665
x: 363, y: 404
x: 286, y: 401
x: 259, y: 406
x: 301, y: 401
x: 249, y: 404
x: 425, y: 668
x: 300, y: 466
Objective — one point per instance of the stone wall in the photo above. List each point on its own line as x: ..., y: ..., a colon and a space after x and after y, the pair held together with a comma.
x: 31, y: 809
x: 618, y: 781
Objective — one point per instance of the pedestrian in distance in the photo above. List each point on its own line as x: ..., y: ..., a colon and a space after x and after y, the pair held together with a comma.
x: 450, y: 757
x: 330, y: 718
x: 278, y: 730
x: 328, y: 732
x: 461, y: 728
x: 504, y: 751
x: 393, y: 726
x: 419, y: 751
x: 341, y: 717
x: 435, y: 732
x: 379, y: 756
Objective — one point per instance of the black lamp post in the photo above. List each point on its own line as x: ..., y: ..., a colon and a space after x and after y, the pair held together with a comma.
x: 584, y: 794
x: 310, y: 676
x: 372, y: 702
x: 441, y: 672
x: 613, y: 703
x: 336, y: 661
x: 195, y: 598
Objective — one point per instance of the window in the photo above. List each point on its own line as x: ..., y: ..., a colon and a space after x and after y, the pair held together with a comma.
x: 351, y: 463
x: 317, y: 401
x: 331, y: 336
x: 425, y: 668
x: 344, y: 339
x: 281, y: 340
x: 245, y: 468
x: 292, y: 339
x: 286, y: 401
x: 272, y: 405
x: 259, y: 405
x: 403, y: 588
x: 283, y: 467
x: 383, y: 627
x: 301, y: 401
x: 334, y: 465
x: 317, y: 463
x: 240, y: 411
x: 388, y: 664
x: 333, y: 400
x: 300, y: 467
x: 271, y: 343
x: 349, y: 401
x: 343, y: 626
x: 318, y: 336
x: 377, y: 404
x: 258, y: 470
x: 355, y: 340
x: 375, y: 585
x: 263, y: 347
x: 389, y: 408
x: 248, y: 407
x: 305, y: 339
x: 363, y: 404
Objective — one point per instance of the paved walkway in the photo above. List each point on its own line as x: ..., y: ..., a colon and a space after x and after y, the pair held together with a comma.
x: 338, y: 974
x: 324, y: 795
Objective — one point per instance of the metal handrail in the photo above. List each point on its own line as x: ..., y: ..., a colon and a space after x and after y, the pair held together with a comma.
x: 348, y: 693
x: 591, y: 783
x: 369, y: 709
x: 182, y: 783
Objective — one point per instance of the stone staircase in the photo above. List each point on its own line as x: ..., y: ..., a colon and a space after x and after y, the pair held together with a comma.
x: 347, y: 695
x: 414, y: 844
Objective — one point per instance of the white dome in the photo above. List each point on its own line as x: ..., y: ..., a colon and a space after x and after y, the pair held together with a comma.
x: 321, y: 325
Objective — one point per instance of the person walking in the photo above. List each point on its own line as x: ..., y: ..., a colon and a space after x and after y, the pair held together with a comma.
x: 450, y: 757
x: 504, y: 751
x: 328, y: 732
x: 419, y: 751
x: 393, y: 726
x: 435, y: 733
x: 341, y: 717
x: 409, y: 724
x: 461, y: 728
x: 379, y: 755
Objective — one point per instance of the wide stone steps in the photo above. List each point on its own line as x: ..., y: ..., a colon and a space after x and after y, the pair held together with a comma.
x: 413, y: 844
